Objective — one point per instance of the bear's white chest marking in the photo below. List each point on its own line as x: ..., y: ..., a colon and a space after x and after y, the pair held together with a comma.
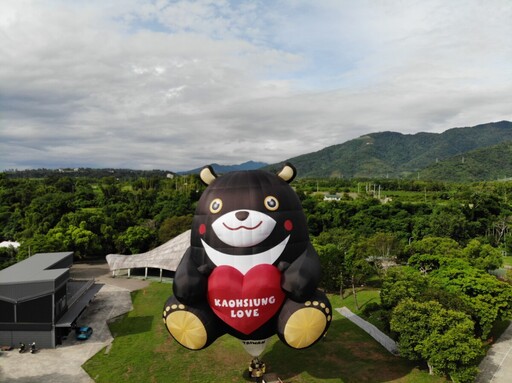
x: 244, y: 263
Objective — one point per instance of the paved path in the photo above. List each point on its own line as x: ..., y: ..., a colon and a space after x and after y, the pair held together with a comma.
x: 63, y: 364
x: 388, y: 343
x: 496, y: 367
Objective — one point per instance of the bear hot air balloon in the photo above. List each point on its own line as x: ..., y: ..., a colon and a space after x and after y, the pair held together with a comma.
x: 250, y: 270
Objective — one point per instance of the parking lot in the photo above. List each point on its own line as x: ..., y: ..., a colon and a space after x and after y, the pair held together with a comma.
x: 63, y: 364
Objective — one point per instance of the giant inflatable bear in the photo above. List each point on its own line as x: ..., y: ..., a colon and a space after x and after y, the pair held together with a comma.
x: 250, y: 270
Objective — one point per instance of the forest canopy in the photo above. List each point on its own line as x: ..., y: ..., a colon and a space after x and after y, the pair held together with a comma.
x: 434, y: 250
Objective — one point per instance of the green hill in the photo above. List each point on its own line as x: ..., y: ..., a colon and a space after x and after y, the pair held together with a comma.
x: 487, y: 164
x: 391, y: 154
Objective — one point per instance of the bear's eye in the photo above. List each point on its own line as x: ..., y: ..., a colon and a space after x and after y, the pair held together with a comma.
x: 216, y: 205
x: 271, y: 203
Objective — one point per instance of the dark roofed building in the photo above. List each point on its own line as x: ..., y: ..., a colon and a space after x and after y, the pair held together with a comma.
x: 38, y: 302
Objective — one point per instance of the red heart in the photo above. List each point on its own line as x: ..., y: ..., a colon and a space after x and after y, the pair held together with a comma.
x: 245, y: 302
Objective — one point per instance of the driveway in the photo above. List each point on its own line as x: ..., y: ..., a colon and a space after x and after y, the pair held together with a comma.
x: 63, y: 364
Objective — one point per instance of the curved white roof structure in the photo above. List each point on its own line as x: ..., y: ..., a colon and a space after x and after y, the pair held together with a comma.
x: 166, y: 256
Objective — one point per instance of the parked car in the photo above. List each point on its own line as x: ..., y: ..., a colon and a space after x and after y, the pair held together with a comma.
x: 83, y: 333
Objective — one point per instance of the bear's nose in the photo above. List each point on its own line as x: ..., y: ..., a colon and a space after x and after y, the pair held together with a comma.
x: 242, y: 215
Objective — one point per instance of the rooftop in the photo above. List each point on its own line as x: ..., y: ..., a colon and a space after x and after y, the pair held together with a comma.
x: 40, y: 267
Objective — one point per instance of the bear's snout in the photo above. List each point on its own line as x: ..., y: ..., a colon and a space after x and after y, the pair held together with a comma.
x: 242, y: 215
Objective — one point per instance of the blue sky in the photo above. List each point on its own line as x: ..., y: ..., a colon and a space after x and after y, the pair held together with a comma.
x: 179, y: 84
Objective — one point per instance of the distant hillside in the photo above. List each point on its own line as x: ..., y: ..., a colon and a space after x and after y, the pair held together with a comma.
x: 391, y: 154
x: 87, y: 172
x: 487, y: 164
x: 221, y: 169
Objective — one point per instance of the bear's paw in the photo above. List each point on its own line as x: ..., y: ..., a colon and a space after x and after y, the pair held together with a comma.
x: 303, y: 324
x: 185, y: 326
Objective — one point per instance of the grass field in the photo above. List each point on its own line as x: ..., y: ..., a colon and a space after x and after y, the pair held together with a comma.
x: 507, y: 260
x: 143, y: 351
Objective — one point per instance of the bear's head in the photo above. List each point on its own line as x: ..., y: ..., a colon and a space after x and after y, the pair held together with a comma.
x: 247, y: 218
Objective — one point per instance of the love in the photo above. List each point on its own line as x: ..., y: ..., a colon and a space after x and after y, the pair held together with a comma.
x: 244, y: 313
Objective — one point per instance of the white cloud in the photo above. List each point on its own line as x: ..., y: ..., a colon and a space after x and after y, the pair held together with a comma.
x: 178, y: 84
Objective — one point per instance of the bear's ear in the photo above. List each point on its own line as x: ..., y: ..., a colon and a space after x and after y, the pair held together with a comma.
x: 288, y: 172
x: 207, y: 175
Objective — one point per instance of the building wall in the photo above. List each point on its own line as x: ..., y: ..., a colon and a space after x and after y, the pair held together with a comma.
x: 23, y: 291
x: 6, y: 338
x: 33, y: 323
x: 43, y: 339
x: 6, y: 312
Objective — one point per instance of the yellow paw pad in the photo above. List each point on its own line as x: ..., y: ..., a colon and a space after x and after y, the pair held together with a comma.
x: 187, y: 329
x: 305, y: 327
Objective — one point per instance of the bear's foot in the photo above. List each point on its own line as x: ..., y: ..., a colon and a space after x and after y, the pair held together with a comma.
x: 302, y: 324
x: 187, y: 325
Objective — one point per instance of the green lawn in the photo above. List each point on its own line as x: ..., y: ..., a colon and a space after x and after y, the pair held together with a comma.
x: 364, y: 297
x: 507, y: 260
x: 143, y: 351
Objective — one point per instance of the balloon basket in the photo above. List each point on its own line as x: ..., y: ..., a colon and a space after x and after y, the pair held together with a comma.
x: 257, y: 369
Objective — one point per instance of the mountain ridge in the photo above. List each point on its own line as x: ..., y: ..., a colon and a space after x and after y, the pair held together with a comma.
x: 397, y: 155
x: 220, y: 169
x: 483, y: 164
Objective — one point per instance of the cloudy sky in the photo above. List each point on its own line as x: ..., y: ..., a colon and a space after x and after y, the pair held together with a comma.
x: 176, y: 85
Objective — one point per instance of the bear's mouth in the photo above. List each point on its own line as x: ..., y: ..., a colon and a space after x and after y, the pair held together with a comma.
x: 244, y: 263
x: 243, y: 228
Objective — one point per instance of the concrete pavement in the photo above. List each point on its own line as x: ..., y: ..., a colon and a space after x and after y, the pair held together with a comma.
x: 496, y: 367
x: 63, y: 364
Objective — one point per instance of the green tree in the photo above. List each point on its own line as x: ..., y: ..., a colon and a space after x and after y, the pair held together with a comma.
x: 443, y: 338
x: 46, y: 210
x: 434, y: 246
x: 449, y: 221
x: 485, y: 297
x: 482, y: 256
x: 357, y: 267
x: 137, y: 239
x: 332, y: 261
x: 83, y: 242
x: 401, y: 283
x: 7, y: 256
x: 84, y: 195
x: 382, y: 250
x: 40, y: 243
x: 173, y: 226
x: 332, y: 246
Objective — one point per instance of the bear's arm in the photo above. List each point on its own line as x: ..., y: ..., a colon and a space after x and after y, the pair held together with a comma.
x: 190, y: 284
x: 301, y: 278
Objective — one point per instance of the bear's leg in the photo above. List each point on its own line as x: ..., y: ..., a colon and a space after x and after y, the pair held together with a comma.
x: 194, y: 327
x: 302, y: 324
